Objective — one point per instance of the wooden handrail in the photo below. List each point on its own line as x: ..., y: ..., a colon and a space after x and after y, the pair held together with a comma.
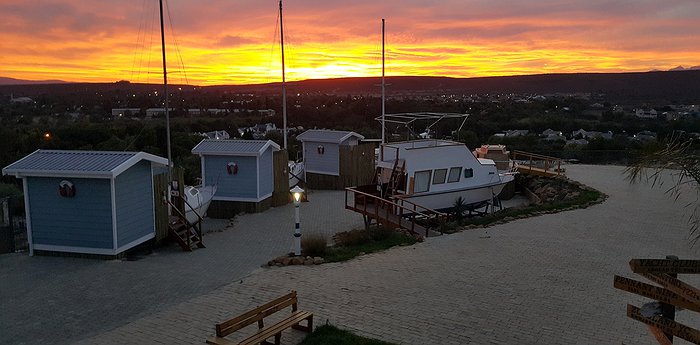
x: 396, y: 208
x: 549, y: 162
x: 430, y: 210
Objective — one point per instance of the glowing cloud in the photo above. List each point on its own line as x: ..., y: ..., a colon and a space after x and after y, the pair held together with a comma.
x: 230, y: 42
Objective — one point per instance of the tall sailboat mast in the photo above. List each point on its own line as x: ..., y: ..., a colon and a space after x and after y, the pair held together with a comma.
x: 383, y: 85
x: 165, y: 91
x: 284, y: 85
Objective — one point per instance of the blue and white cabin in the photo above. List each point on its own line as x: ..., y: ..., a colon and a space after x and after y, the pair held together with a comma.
x: 322, y: 149
x: 88, y: 202
x: 330, y: 157
x: 242, y: 170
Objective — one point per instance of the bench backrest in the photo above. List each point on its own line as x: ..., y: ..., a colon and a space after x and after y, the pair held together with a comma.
x: 256, y: 315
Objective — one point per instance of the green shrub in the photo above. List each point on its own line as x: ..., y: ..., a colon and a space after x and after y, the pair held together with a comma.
x: 8, y: 189
x: 351, y: 238
x: 314, y: 245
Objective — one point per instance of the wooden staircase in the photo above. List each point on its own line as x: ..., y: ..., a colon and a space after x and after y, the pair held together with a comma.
x: 397, y: 214
x: 187, y: 235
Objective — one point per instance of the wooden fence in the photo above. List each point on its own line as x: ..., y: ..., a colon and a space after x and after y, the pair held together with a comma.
x: 280, y: 193
x: 160, y: 191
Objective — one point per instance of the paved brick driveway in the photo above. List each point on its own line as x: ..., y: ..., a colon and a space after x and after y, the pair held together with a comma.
x: 542, y: 280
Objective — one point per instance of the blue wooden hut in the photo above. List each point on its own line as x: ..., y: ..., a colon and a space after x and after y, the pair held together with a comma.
x: 88, y: 202
x: 242, y: 171
x: 336, y: 159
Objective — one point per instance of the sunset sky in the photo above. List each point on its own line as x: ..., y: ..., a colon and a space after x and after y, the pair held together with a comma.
x: 236, y: 41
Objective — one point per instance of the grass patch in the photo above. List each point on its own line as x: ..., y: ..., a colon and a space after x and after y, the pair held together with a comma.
x: 331, y: 335
x: 369, y: 243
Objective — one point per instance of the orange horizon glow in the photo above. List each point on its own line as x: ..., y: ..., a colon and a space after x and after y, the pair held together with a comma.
x: 238, y: 44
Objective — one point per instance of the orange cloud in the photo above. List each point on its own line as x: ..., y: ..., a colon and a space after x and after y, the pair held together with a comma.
x: 237, y: 42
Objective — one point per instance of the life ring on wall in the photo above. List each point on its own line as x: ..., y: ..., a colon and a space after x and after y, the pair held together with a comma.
x: 66, y: 189
x: 232, y: 168
x: 321, y: 149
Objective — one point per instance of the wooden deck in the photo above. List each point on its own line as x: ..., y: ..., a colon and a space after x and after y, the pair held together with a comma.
x: 538, y: 165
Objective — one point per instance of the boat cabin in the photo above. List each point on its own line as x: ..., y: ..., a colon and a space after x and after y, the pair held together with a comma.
x: 497, y: 153
x: 434, y: 173
x: 88, y: 202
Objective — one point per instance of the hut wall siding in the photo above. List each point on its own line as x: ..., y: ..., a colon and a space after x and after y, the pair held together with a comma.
x: 266, y: 173
x: 84, y: 220
x: 244, y: 184
x: 134, y: 201
x: 326, y: 163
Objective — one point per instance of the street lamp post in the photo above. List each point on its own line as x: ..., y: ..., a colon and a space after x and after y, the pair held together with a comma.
x: 296, y: 193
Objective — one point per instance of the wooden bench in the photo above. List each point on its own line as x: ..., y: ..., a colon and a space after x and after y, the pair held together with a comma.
x: 264, y: 332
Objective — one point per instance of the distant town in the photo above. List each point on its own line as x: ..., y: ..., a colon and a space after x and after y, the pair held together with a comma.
x: 584, y: 126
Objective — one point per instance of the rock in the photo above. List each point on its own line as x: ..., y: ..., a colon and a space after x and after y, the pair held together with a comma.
x: 318, y: 260
x: 286, y: 261
x: 309, y: 262
x: 279, y: 264
x: 271, y: 263
x: 361, y: 253
x: 298, y: 260
x: 309, y: 258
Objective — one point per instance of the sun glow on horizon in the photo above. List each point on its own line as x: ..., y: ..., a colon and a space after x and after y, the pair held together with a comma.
x: 334, y: 40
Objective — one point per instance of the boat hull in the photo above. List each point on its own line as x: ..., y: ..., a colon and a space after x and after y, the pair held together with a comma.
x: 198, y: 201
x: 296, y: 173
x: 473, y: 196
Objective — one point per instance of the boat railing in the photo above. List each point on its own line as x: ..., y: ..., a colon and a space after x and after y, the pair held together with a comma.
x: 535, y: 163
x: 366, y: 200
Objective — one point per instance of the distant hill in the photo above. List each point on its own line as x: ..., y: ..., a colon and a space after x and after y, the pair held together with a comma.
x: 13, y: 81
x: 656, y: 86
x: 643, y: 86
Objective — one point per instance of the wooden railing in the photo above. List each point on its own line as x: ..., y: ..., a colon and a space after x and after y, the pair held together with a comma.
x: 197, y: 226
x: 391, y: 212
x: 537, y: 164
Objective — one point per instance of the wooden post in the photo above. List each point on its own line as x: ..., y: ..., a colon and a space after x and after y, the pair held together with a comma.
x: 669, y: 310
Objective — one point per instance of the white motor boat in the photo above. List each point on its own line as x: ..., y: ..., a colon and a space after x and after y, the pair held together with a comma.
x: 296, y: 173
x: 435, y: 173
x: 198, y: 200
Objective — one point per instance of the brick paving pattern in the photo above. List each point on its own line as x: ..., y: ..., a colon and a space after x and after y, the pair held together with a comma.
x: 542, y: 280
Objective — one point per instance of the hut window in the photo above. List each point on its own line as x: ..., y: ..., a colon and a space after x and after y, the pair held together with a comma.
x: 440, y: 176
x: 422, y: 181
x: 454, y: 174
x: 468, y: 172
x: 321, y: 149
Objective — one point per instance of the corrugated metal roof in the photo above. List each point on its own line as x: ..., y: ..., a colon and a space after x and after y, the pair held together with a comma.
x: 324, y: 135
x: 77, y: 163
x: 233, y: 147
